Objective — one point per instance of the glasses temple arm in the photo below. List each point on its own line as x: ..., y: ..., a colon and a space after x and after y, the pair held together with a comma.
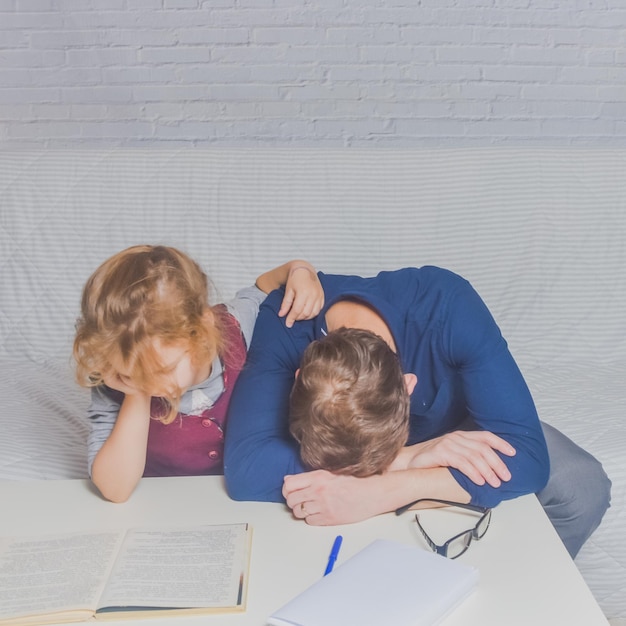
x: 469, y: 507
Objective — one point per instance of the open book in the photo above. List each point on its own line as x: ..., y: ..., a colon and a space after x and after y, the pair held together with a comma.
x: 134, y: 573
x: 385, y: 583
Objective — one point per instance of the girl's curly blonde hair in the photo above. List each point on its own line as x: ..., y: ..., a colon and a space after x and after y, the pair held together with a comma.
x: 138, y: 295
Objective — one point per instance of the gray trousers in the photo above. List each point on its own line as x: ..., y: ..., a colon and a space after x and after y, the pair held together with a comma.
x: 578, y: 492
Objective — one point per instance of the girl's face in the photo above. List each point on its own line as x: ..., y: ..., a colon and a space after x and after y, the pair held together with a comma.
x: 177, y: 374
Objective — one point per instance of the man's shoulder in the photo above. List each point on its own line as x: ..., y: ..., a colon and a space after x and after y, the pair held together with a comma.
x: 273, y: 300
x: 424, y: 278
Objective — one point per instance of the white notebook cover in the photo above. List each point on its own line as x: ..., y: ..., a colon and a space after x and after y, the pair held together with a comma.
x: 385, y: 583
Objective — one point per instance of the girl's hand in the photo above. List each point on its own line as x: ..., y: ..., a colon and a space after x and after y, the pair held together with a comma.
x: 304, y: 295
x: 471, y: 452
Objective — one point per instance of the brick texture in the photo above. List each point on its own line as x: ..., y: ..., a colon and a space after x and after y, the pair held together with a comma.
x: 316, y: 72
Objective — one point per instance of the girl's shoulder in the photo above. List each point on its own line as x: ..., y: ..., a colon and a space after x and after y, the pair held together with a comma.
x: 244, y: 308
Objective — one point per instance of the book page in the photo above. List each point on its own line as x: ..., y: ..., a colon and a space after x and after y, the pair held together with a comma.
x: 55, y: 573
x: 180, y: 568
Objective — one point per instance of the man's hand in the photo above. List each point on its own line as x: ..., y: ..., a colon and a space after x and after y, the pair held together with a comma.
x: 471, y: 452
x: 325, y: 499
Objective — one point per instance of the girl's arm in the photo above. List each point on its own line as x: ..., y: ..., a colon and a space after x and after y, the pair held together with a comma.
x: 120, y: 462
x: 304, y: 296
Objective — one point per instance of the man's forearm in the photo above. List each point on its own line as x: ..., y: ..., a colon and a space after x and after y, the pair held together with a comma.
x: 404, y: 486
x: 326, y: 499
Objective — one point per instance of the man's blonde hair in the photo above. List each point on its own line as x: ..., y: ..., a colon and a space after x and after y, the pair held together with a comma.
x: 349, y: 406
x: 138, y: 295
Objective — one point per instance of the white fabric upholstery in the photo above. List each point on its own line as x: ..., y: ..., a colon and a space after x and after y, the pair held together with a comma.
x: 540, y: 233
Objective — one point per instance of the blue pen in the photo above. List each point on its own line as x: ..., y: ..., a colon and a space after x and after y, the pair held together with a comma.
x: 334, y: 552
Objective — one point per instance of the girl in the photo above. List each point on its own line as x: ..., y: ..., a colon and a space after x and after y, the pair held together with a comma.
x: 162, y: 363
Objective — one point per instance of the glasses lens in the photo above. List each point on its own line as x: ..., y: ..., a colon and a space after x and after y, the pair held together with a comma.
x: 459, y: 544
x: 483, y: 525
x: 456, y: 546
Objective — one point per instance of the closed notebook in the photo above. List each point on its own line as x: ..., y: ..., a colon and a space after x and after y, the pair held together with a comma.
x: 385, y: 583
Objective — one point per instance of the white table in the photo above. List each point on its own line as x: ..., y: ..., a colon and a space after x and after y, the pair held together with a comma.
x: 526, y: 575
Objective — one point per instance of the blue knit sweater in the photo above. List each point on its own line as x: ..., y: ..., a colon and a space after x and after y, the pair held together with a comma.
x: 444, y: 334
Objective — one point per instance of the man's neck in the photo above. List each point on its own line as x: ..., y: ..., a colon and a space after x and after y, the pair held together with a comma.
x: 352, y: 314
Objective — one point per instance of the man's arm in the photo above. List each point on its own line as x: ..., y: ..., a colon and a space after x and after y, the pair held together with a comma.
x: 259, y: 451
x: 497, y: 398
x: 331, y: 499
x: 419, y: 471
x: 474, y: 453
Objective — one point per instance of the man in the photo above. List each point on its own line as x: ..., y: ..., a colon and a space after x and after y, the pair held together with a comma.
x: 474, y: 433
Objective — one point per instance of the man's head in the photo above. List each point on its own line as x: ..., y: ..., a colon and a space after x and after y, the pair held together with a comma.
x: 349, y: 406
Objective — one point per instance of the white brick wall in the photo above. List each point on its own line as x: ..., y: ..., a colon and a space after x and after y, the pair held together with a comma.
x: 315, y: 72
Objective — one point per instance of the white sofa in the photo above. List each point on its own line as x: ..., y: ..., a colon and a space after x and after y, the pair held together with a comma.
x: 541, y: 233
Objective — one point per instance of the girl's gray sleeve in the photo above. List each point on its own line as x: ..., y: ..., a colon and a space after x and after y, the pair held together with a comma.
x: 102, y: 414
x: 245, y: 307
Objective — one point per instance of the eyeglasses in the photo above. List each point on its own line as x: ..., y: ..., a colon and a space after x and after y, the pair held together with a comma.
x: 458, y: 544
